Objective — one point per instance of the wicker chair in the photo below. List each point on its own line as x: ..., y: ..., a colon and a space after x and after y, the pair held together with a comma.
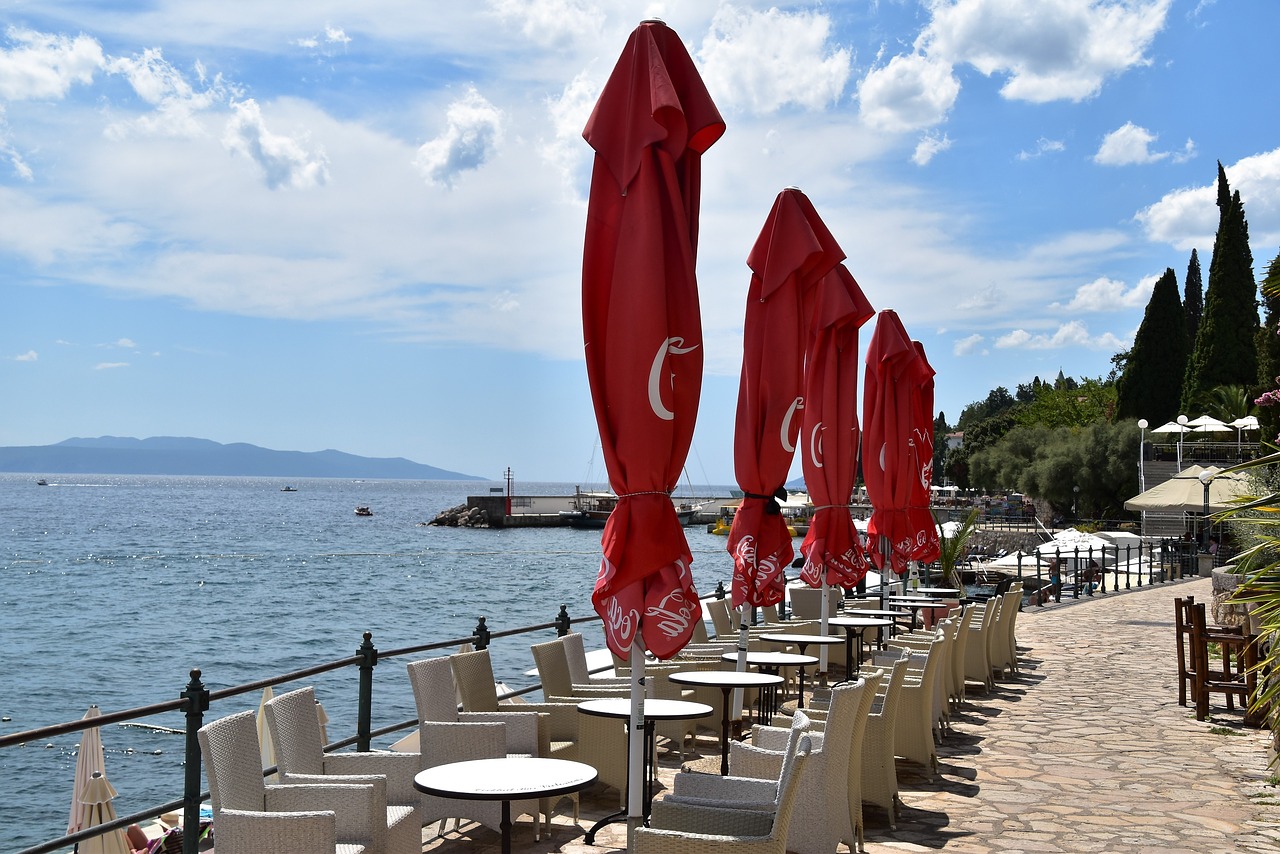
x: 913, y: 731
x: 447, y: 735
x: 575, y: 653
x: 295, y: 730
x: 732, y: 831
x: 942, y: 672
x: 555, y: 673
x: 1004, y: 647
x: 879, y: 769
x: 723, y: 619
x: 977, y: 651
x: 254, y: 818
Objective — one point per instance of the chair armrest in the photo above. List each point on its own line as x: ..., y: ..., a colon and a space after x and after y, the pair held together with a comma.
x: 696, y: 818
x: 770, y: 737
x: 398, y: 768
x: 310, y: 832
x: 739, y: 792
x: 357, y: 808
x: 747, y: 760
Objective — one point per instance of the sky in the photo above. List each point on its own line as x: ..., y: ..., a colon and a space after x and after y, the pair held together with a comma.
x: 359, y: 225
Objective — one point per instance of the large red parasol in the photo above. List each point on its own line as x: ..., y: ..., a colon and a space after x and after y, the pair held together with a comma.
x: 642, y: 329
x: 832, y: 551
x: 791, y: 256
x: 926, y: 547
x: 890, y: 462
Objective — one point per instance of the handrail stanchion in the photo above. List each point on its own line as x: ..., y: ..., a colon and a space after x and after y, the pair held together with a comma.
x: 197, y: 697
x: 563, y: 622
x: 481, y: 635
x: 368, y: 655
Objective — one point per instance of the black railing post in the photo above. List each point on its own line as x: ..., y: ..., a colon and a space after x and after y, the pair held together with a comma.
x: 368, y: 655
x: 720, y: 591
x: 197, y: 697
x: 481, y: 635
x: 562, y: 621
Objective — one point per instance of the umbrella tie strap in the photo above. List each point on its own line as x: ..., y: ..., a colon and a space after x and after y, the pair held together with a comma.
x: 773, y: 508
x: 649, y: 492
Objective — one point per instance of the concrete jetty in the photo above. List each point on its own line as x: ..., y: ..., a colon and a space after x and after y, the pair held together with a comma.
x: 1086, y: 749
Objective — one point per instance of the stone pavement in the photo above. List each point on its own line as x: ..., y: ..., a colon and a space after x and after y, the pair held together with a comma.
x: 1085, y: 750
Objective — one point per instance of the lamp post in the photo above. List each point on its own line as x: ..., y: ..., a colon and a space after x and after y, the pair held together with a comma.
x: 1142, y: 447
x: 1182, y: 422
x: 1206, y: 477
x: 1075, y: 497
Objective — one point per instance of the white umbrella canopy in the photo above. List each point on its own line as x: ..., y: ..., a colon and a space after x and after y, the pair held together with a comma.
x: 1171, y: 427
x: 1209, y: 424
x: 1185, y: 492
x: 90, y: 760
x: 1248, y: 422
x: 97, y: 809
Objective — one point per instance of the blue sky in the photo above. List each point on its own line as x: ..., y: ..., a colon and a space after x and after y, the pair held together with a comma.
x: 312, y: 225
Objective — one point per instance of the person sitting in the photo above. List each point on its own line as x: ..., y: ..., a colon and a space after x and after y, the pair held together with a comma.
x: 1092, y: 576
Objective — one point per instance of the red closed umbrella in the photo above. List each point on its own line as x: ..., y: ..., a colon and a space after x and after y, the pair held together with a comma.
x: 642, y: 329
x: 833, y: 554
x: 642, y: 333
x: 792, y: 254
x: 891, y: 465
x: 925, y: 546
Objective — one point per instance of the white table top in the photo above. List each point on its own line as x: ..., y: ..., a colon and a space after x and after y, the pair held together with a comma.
x: 936, y: 591
x: 860, y: 622
x: 654, y: 709
x: 725, y: 678
x: 505, y: 778
x: 801, y: 639
x: 773, y: 659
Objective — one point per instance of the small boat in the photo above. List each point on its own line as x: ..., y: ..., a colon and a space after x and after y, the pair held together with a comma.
x: 42, y: 482
x: 363, y: 511
x: 592, y: 509
x: 288, y: 489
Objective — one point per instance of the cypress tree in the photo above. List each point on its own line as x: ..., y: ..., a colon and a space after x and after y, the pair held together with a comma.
x: 1152, y: 377
x: 1226, y: 349
x: 1193, y: 298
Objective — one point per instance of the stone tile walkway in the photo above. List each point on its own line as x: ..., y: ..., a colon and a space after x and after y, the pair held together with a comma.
x: 1085, y: 750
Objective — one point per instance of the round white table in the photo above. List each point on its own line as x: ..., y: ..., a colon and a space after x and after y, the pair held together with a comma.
x: 654, y: 710
x: 773, y: 662
x: 726, y: 681
x: 506, y: 779
x: 802, y: 641
x: 859, y: 625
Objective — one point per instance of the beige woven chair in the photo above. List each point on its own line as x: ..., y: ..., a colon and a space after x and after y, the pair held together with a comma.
x: 913, y: 732
x: 879, y: 768
x: 806, y: 602
x: 575, y: 653
x: 446, y: 735
x: 295, y: 731
x: 723, y: 618
x: 1004, y: 648
x: 923, y: 641
x: 731, y: 831
x: 253, y: 817
x: 977, y: 651
x: 599, y: 742
x: 552, y: 661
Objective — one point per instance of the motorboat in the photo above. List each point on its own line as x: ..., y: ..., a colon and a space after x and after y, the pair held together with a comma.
x: 592, y: 509
x: 363, y: 511
x: 42, y: 482
x: 288, y: 489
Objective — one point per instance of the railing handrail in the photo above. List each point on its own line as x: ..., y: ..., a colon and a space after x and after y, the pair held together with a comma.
x: 481, y: 637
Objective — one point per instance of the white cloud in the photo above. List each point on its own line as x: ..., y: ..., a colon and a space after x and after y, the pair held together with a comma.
x: 762, y: 61
x: 284, y: 162
x: 335, y: 35
x: 110, y: 366
x: 8, y: 152
x: 1105, y: 294
x: 986, y: 298
x: 969, y: 346
x: 569, y: 113
x: 549, y: 22
x: 472, y: 134
x: 911, y: 92
x: 44, y: 66
x: 1049, y: 51
x: 1188, y: 218
x: 164, y: 87
x: 1130, y: 144
x: 29, y: 356
x: 1043, y: 147
x: 1071, y: 334
x: 929, y: 145
x: 127, y: 343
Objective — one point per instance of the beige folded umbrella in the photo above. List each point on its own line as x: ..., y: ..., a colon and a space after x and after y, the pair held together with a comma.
x: 265, y: 745
x: 90, y: 760
x: 97, y: 809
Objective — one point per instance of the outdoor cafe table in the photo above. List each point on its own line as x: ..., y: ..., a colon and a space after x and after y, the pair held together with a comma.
x: 937, y: 592
x: 726, y: 681
x: 773, y: 662
x: 801, y: 641
x: 859, y: 625
x: 915, y: 603
x: 654, y: 710
x: 505, y: 779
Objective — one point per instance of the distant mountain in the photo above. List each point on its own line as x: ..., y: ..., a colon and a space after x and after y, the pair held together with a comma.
x: 185, y: 456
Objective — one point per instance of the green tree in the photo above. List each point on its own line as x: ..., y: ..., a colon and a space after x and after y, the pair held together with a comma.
x: 940, y: 431
x: 1070, y: 403
x: 1151, y: 384
x: 998, y: 402
x: 1229, y: 402
x: 1193, y: 298
x: 1269, y: 350
x: 1226, y: 351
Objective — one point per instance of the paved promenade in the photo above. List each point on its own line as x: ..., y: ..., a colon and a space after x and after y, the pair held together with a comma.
x: 1086, y: 750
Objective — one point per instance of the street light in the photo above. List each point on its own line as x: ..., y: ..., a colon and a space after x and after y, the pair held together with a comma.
x: 1206, y: 477
x: 1182, y: 422
x: 1075, y: 496
x: 1142, y: 447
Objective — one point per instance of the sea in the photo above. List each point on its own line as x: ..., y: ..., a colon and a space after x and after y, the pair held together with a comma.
x: 115, y: 587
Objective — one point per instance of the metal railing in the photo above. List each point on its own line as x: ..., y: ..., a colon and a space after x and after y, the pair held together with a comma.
x: 194, y: 700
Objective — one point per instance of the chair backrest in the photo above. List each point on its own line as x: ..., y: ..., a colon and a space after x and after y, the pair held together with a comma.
x: 553, y: 668
x: 720, y: 618
x: 295, y: 730
x: 800, y: 725
x: 792, y: 766
x: 806, y: 603
x: 473, y: 673
x: 699, y: 631
x: 434, y: 690
x: 575, y: 654
x: 888, y: 701
x: 233, y: 762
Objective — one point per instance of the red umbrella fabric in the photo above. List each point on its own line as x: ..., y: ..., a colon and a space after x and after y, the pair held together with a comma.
x: 926, y: 547
x: 792, y: 254
x: 832, y: 550
x: 642, y: 328
x: 890, y: 463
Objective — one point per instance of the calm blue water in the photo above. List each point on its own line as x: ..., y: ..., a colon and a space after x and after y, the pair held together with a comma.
x: 115, y: 587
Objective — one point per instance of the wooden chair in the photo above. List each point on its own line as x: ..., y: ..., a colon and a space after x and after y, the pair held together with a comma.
x: 1236, y: 675
x: 1182, y: 636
